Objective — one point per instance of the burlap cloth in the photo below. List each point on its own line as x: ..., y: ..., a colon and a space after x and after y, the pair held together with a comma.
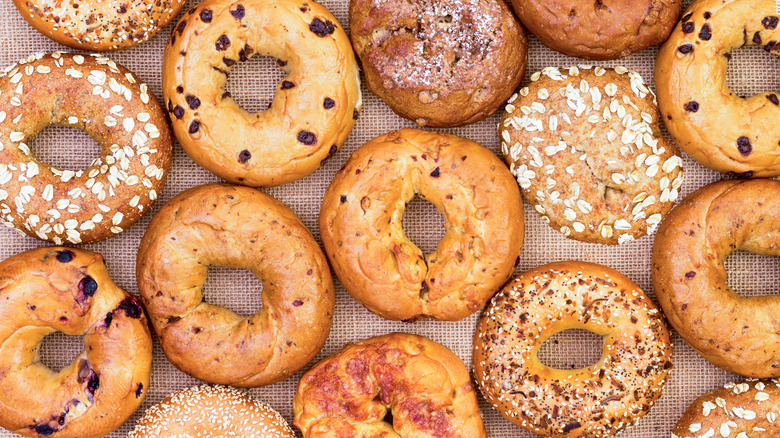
x: 252, y: 85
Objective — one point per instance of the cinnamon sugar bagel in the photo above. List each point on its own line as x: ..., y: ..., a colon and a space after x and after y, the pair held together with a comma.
x: 388, y: 386
x: 361, y: 214
x: 314, y: 108
x: 57, y: 289
x: 716, y: 127
x: 738, y: 334
x: 596, y: 401
x: 236, y: 227
x: 99, y: 25
x: 108, y: 102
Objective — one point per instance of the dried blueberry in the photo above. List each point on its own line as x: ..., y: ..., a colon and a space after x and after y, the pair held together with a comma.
x: 687, y: 17
x: 307, y: 138
x: 192, y: 101
x: 322, y: 28
x: 297, y: 303
x: 757, y: 38
x: 690, y: 274
x: 139, y: 390
x: 706, y: 32
x: 435, y: 173
x: 744, y: 146
x: 685, y: 49
x: 287, y: 85
x: 194, y: 127
x: 328, y: 103
x: 244, y: 156
x: 343, y: 199
x: 180, y: 89
x: 206, y: 15
x: 88, y: 286
x: 228, y: 62
x: 44, y: 429
x: 223, y: 42
x: 131, y: 308
x: 239, y: 12
x: 707, y: 15
x: 355, y: 114
x: 281, y: 63
x: 94, y: 383
x: 688, y: 27
x: 770, y: 22
x: 773, y: 98
x: 180, y: 28
x: 109, y: 319
x: 65, y: 256
x: 692, y: 106
x: 178, y: 112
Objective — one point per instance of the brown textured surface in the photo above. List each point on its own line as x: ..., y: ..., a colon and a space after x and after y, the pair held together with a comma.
x: 604, y: 29
x: 57, y: 289
x: 362, y: 232
x: 594, y: 401
x: 735, y: 333
x: 253, y: 84
x: 716, y: 125
x: 236, y: 227
x: 425, y: 387
x: 439, y: 63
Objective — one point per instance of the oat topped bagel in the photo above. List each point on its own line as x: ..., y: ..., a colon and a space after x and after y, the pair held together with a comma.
x: 586, y: 147
x: 313, y: 110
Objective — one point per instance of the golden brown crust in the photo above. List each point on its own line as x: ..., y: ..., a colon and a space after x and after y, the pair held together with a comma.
x: 440, y: 63
x: 69, y: 290
x: 716, y: 127
x: 210, y: 411
x: 735, y: 333
x: 606, y: 29
x: 99, y: 25
x: 586, y: 147
x: 314, y: 108
x: 596, y: 401
x: 743, y: 410
x: 238, y: 227
x: 361, y: 214
x: 108, y: 102
x: 423, y: 385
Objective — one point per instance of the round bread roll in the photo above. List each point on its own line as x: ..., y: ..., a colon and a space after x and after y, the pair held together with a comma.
x: 362, y: 232
x: 56, y: 289
x: 596, y: 401
x: 716, y: 127
x: 388, y: 386
x: 243, y: 228
x: 99, y: 25
x: 108, y: 102
x: 208, y: 411
x: 738, y: 334
x: 606, y: 29
x: 586, y: 147
x: 742, y: 410
x: 442, y: 63
x: 312, y: 113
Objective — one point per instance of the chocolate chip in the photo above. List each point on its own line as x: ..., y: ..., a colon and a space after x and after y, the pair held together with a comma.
x: 688, y: 27
x: 744, y: 146
x: 328, y: 103
x: 223, y: 42
x: 287, y: 85
x: 757, y: 38
x: 180, y: 89
x: 194, y: 127
x: 109, y: 319
x: 131, y: 308
x: 193, y: 101
x: 244, y: 156
x: 239, y: 12
x: 687, y: 17
x: 692, y: 106
x: 770, y: 22
x: 228, y: 62
x: 773, y: 98
x: 343, y: 199
x: 139, y: 390
x: 88, y: 286
x: 706, y: 32
x: 685, y: 49
x: 321, y: 28
x: 690, y: 274
x: 65, y: 256
x: 297, y: 303
x: 435, y: 173
x: 44, y: 429
x: 178, y: 112
x: 307, y: 138
x: 206, y: 15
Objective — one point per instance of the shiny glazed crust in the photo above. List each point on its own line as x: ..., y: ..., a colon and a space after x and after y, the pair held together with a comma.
x: 52, y: 289
x: 440, y: 63
x: 210, y: 411
x: 606, y: 29
x: 314, y: 108
x: 737, y: 334
x: 425, y: 387
x: 108, y: 102
x: 716, y: 127
x: 596, y: 401
x: 99, y: 25
x: 361, y: 229
x: 236, y: 227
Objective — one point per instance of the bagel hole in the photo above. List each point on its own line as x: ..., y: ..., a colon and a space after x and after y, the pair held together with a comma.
x: 65, y: 148
x: 752, y: 275
x: 571, y: 349
x: 423, y: 224
x: 234, y: 289
x: 59, y: 350
x: 747, y: 72
x: 253, y: 83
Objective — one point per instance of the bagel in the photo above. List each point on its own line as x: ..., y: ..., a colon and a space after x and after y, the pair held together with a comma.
x: 716, y: 127
x: 312, y: 113
x: 389, y: 386
x: 99, y: 25
x: 110, y: 104
x: 66, y: 290
x: 738, y: 334
x: 596, y: 401
x: 208, y: 411
x: 236, y: 227
x: 361, y: 230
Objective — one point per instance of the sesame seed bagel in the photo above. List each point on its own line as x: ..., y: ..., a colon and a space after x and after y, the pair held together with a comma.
x: 742, y: 410
x: 738, y: 334
x: 243, y: 228
x: 110, y: 104
x: 312, y: 113
x: 596, y: 401
x: 586, y: 147
x: 56, y: 289
x: 99, y: 25
x: 208, y: 411
x: 396, y: 385
x: 362, y: 231
x: 716, y: 127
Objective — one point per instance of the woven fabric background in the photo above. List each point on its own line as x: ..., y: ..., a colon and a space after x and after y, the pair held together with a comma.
x: 252, y: 85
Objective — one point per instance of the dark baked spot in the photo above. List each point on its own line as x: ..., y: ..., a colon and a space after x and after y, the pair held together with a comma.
x: 773, y: 98
x: 223, y: 42
x: 238, y: 12
x: 192, y: 101
x: 297, y: 303
x: 228, y: 62
x: 178, y: 112
x: 139, y: 390
x: 307, y: 138
x: 65, y: 256
x: 770, y: 22
x: 321, y: 28
x: 206, y: 15
x: 685, y: 49
x: 706, y: 32
x: 692, y: 106
x: 180, y: 89
x: 88, y: 286
x: 328, y: 103
x: 44, y: 429
x: 688, y: 27
x: 572, y: 14
x: 287, y: 85
x: 131, y: 307
x: 435, y: 173
x: 194, y: 127
x: 244, y: 156
x: 690, y: 274
x: 744, y: 146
